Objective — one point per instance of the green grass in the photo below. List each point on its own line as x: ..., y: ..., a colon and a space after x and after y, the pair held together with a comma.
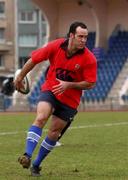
x: 96, y: 150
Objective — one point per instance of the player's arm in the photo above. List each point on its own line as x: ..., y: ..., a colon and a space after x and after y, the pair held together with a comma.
x: 64, y: 85
x: 29, y: 65
x: 83, y: 85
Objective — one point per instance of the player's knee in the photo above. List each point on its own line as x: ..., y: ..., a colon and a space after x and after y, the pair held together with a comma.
x: 40, y: 120
x: 54, y: 134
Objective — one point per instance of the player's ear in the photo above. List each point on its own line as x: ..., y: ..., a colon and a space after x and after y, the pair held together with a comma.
x: 71, y: 35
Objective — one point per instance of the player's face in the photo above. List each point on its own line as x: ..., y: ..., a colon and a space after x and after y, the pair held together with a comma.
x: 79, y: 38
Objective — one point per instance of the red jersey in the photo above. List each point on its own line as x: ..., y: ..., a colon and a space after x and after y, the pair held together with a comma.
x: 81, y: 66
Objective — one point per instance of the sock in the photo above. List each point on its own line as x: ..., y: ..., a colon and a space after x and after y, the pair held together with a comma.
x: 46, y: 146
x: 33, y: 137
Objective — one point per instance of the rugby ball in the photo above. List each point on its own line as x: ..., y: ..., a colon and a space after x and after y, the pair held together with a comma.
x: 25, y: 89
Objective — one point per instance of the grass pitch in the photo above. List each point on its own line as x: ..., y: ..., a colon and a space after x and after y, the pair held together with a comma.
x: 94, y: 148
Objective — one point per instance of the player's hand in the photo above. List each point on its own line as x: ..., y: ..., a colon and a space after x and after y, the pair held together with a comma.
x: 61, y: 87
x: 18, y: 83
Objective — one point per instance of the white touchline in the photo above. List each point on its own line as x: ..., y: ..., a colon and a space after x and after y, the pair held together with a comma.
x: 99, y: 125
x: 71, y: 128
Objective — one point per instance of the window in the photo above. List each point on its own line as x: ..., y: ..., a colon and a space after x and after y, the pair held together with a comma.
x: 27, y: 40
x: 2, y: 9
x: 1, y: 61
x: 27, y: 17
x: 2, y: 34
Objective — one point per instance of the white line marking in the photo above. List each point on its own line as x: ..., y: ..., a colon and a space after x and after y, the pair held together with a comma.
x: 71, y: 128
x: 99, y: 125
x: 10, y: 133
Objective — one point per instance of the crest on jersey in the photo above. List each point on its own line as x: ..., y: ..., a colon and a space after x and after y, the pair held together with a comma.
x: 77, y: 66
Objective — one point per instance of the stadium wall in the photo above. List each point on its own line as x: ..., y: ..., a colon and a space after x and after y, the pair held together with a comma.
x: 100, y: 16
x: 117, y: 14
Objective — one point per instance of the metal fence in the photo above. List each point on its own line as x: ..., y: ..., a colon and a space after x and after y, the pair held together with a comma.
x: 21, y: 104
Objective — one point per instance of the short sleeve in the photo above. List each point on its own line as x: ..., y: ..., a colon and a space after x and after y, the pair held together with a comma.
x: 44, y: 53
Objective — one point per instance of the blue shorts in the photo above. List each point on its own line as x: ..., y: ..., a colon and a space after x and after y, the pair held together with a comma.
x: 62, y: 111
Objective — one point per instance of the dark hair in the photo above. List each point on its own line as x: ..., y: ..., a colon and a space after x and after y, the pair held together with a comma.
x: 73, y: 27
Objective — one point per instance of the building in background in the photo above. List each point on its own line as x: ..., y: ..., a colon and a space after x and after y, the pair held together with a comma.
x: 22, y: 29
x: 7, y: 41
x: 31, y: 30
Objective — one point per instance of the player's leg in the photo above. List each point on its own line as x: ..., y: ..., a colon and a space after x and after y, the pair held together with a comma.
x: 48, y: 143
x: 44, y: 110
x: 64, y: 130
x: 62, y: 133
x: 61, y: 116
